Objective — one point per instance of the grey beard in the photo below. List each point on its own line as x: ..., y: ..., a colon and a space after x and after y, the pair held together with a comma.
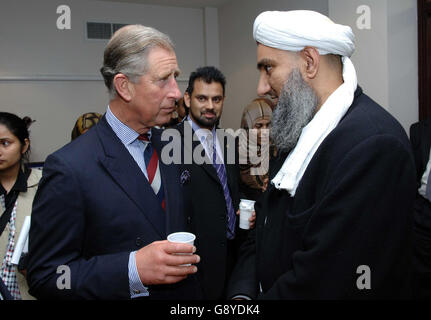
x: 295, y: 109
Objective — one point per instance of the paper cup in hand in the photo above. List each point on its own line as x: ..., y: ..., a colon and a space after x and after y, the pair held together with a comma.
x: 182, y: 237
x: 246, y: 208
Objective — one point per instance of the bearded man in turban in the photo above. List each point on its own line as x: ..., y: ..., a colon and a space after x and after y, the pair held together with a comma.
x: 336, y: 219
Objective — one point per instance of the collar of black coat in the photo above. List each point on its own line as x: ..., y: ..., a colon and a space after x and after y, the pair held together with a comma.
x: 20, y: 183
x: 358, y: 92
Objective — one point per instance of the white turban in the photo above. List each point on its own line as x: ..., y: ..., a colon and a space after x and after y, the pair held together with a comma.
x: 294, y: 30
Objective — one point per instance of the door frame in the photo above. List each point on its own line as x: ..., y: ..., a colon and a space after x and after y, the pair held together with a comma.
x: 424, y: 57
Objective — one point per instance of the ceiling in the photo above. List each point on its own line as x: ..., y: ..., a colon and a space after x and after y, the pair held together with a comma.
x: 179, y: 3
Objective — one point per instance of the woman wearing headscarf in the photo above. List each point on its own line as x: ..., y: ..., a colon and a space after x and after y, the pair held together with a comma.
x: 255, y: 147
x: 18, y: 185
x: 84, y: 123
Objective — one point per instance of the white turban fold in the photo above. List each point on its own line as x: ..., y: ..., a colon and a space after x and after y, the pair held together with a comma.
x: 295, y: 30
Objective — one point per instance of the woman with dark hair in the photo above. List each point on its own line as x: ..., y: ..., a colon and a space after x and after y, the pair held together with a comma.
x: 18, y: 185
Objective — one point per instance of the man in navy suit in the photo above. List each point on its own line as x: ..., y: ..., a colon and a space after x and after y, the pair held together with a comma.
x: 106, y: 201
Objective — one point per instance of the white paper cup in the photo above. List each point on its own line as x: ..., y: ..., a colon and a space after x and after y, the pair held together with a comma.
x: 182, y: 237
x: 246, y: 208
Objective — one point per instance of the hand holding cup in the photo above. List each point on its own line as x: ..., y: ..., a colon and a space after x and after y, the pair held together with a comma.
x: 247, y: 215
x: 182, y: 237
x: 159, y: 262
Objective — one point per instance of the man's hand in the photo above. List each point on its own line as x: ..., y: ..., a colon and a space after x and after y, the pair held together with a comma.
x: 157, y: 263
x: 252, y: 219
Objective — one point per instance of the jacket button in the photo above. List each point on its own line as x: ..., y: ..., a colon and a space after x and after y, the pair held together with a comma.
x: 189, y: 219
x: 138, y: 241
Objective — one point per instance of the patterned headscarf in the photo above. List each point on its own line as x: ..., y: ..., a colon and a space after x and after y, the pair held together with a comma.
x: 85, y: 122
x: 258, y: 109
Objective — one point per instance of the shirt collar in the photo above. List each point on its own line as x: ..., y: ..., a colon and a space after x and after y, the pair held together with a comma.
x: 124, y: 133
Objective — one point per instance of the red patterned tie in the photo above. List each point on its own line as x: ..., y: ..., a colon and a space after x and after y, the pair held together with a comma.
x: 153, y: 170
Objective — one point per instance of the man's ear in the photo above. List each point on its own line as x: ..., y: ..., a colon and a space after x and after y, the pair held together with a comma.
x: 123, y: 87
x: 187, y: 99
x: 311, y: 58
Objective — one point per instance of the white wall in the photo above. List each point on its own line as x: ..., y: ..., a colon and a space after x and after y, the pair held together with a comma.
x: 370, y: 56
x: 386, y: 54
x: 238, y: 49
x: 32, y: 48
x: 212, y: 41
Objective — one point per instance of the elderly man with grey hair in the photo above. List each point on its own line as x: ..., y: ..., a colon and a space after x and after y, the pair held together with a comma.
x: 336, y: 219
x: 106, y: 203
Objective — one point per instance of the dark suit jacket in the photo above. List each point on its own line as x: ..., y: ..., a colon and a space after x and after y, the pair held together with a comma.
x: 420, y: 137
x: 207, y: 214
x: 93, y: 207
x: 352, y: 208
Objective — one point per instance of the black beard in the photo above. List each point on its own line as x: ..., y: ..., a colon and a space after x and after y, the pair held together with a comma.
x: 205, y: 123
x: 295, y: 109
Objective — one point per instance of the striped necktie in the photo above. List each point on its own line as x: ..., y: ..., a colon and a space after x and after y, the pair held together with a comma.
x: 153, y: 169
x: 221, y: 173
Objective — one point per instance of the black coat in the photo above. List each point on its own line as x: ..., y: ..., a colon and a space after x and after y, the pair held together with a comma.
x: 205, y: 207
x: 352, y: 208
x: 420, y: 137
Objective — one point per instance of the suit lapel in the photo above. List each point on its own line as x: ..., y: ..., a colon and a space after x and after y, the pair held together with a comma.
x: 170, y: 177
x: 123, y: 169
x: 206, y: 166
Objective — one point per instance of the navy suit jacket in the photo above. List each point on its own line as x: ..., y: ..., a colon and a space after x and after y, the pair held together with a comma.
x: 93, y: 207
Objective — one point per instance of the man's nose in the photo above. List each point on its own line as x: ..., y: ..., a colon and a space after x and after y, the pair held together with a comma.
x: 175, y: 90
x: 263, y: 86
x: 210, y: 104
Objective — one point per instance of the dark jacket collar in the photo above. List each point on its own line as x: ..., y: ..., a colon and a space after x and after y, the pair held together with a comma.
x: 20, y: 183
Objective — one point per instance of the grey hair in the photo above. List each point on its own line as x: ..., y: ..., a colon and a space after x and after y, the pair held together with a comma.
x: 127, y: 53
